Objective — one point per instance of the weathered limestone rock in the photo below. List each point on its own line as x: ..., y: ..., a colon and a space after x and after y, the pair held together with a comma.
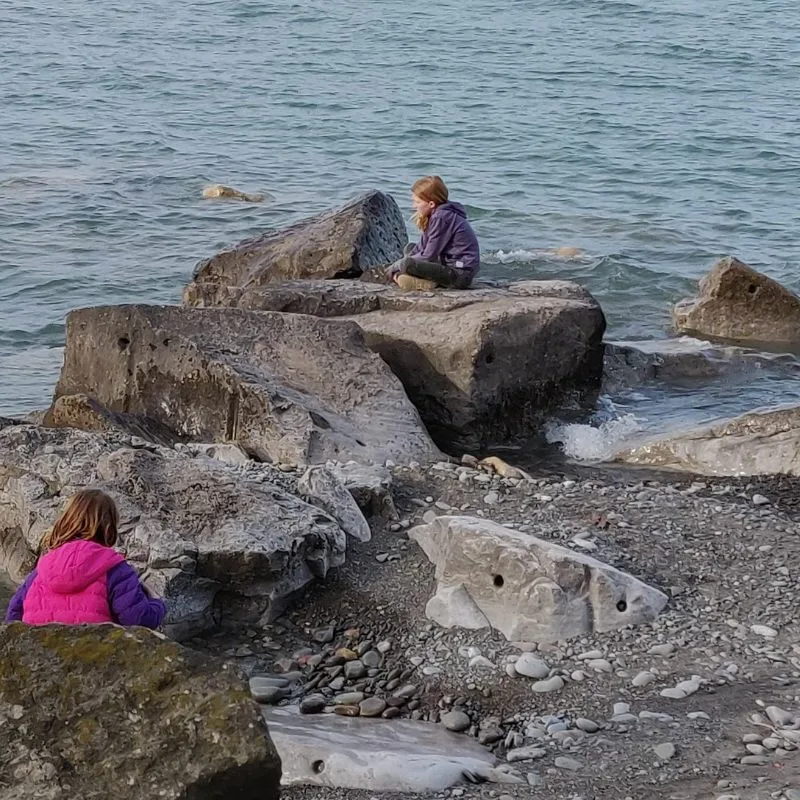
x: 370, y: 486
x: 321, y: 487
x: 288, y: 388
x: 482, y: 366
x: 367, y: 232
x: 736, y: 302
x: 759, y: 443
x: 84, y: 412
x: 102, y: 711
x: 214, y: 540
x: 372, y: 754
x: 527, y: 588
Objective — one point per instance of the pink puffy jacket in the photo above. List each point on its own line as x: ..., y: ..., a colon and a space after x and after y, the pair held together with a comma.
x: 71, y: 585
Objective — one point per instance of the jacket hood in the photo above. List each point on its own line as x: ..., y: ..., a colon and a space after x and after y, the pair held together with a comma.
x: 452, y: 208
x: 69, y: 569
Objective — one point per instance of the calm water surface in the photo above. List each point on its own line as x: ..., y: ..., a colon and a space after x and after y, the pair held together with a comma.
x: 657, y: 137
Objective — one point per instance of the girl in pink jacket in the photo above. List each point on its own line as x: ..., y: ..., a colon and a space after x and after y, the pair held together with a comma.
x: 80, y: 578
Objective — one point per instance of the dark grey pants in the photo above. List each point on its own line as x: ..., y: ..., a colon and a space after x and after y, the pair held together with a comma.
x: 441, y: 275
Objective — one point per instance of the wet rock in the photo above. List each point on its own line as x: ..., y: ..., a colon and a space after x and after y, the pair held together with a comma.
x: 366, y: 232
x: 289, y: 389
x: 456, y: 721
x: 312, y: 704
x: 369, y: 754
x: 527, y: 588
x: 737, y: 302
x: 90, y: 694
x: 758, y: 443
x: 208, y: 538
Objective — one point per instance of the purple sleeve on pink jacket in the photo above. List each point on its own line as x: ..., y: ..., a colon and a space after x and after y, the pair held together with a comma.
x: 15, y: 605
x: 129, y: 601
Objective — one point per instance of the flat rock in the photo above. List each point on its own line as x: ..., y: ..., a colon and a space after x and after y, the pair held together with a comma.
x: 737, y: 302
x: 368, y: 231
x: 206, y: 534
x: 527, y: 588
x: 456, y: 721
x: 467, y: 357
x: 758, y: 443
x: 370, y: 754
x: 531, y: 667
x: 99, y: 706
x: 287, y: 388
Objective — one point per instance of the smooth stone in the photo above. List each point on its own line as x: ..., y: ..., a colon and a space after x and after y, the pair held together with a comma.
x: 621, y: 708
x: 525, y: 754
x: 760, y: 500
x: 267, y: 694
x: 530, y: 666
x: 587, y: 725
x: 371, y: 659
x: 666, y: 649
x: 643, y: 679
x: 455, y: 721
x: 590, y: 655
x: 764, y: 630
x: 313, y: 704
x: 346, y: 711
x: 554, y: 684
x: 673, y: 693
x: 754, y: 761
x: 779, y: 717
x: 565, y: 762
x: 372, y: 707
x: 664, y: 751
x: 688, y: 687
x: 348, y: 699
x: 354, y: 670
x: 357, y: 753
x: 324, y: 635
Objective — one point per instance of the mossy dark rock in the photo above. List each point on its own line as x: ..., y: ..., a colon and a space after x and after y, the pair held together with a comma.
x: 102, y: 711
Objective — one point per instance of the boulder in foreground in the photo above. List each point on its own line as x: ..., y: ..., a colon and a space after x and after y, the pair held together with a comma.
x: 483, y: 366
x: 216, y: 541
x: 530, y: 589
x: 366, y: 232
x: 737, y: 302
x: 759, y: 443
x: 102, y: 711
x: 288, y: 388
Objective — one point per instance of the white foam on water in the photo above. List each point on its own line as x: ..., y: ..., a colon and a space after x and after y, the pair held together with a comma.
x: 593, y: 442
x: 522, y: 256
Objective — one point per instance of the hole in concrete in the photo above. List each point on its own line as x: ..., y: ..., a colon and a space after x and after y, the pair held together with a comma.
x: 123, y: 342
x: 498, y: 581
x: 622, y: 606
x: 318, y: 766
x: 752, y: 288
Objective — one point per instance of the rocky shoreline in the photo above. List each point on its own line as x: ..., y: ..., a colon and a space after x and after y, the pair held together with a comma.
x: 407, y: 619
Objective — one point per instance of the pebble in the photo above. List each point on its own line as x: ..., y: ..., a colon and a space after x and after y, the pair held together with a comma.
x: 586, y: 725
x: 590, y: 655
x: 491, y: 499
x: 525, y: 754
x: 372, y: 707
x: 531, y: 667
x: 643, y: 679
x: 456, y: 721
x: 565, y: 762
x: 324, y: 635
x: 666, y: 649
x: 348, y: 699
x: 313, y: 704
x: 480, y: 662
x: 754, y: 761
x: 621, y: 708
x: 554, y: 684
x: 354, y: 670
x: 764, y: 630
x: 347, y: 711
x: 760, y: 500
x: 267, y: 694
x: 371, y: 659
x: 664, y: 751
x: 599, y: 665
x: 384, y: 647
x: 779, y: 716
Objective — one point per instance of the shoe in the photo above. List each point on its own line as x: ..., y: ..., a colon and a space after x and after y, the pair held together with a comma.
x: 408, y: 283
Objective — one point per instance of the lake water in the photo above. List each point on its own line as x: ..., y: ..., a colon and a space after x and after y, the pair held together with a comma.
x: 656, y: 136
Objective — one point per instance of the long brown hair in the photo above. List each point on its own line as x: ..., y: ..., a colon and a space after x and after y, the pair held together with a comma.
x: 90, y: 514
x: 432, y: 189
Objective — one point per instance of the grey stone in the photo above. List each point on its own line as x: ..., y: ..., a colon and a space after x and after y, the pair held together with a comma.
x: 666, y: 649
x: 348, y: 699
x: 372, y: 707
x: 554, y: 684
x: 266, y: 690
x: 571, y: 764
x: 527, y: 588
x: 322, y: 487
x: 531, y: 667
x: 289, y: 389
x: 757, y: 443
x: 665, y: 751
x: 525, y: 754
x: 204, y: 534
x: 587, y: 725
x: 371, y: 659
x: 312, y: 704
x: 95, y: 699
x: 366, y: 232
x: 642, y: 679
x: 370, y: 485
x: 779, y: 716
x: 736, y: 302
x: 465, y: 358
x: 455, y: 721
x: 371, y: 754
x: 354, y: 670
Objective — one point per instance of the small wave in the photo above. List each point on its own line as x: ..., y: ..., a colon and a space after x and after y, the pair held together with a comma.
x: 522, y: 256
x: 593, y: 442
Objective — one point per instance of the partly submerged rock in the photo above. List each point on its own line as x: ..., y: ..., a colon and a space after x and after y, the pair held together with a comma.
x: 287, y: 388
x: 527, y: 588
x: 372, y: 754
x: 102, y: 711
x: 758, y: 443
x: 366, y: 232
x: 216, y: 541
x: 482, y: 366
x: 219, y: 192
x: 736, y: 302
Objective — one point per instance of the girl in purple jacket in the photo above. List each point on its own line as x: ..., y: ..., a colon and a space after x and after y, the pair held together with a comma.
x: 80, y: 578
x: 448, y: 254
